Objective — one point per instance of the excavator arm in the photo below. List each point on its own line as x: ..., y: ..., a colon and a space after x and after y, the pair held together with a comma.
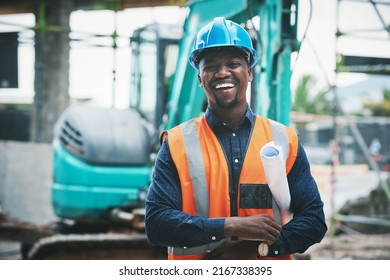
x: 274, y: 38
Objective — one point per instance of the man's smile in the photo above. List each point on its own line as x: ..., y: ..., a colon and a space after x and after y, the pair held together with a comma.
x: 224, y: 86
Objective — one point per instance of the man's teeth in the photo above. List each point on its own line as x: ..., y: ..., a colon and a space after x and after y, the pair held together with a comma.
x: 226, y: 85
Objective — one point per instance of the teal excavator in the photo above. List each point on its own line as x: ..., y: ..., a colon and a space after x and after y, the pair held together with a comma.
x: 103, y: 158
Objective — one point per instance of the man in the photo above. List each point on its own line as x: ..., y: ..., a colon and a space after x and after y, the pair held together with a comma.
x: 209, y: 197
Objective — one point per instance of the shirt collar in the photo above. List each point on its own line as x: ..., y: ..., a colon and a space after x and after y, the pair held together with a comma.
x: 213, y: 119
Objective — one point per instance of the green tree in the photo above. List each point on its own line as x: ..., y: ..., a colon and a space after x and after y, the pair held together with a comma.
x: 381, y: 109
x: 308, y: 103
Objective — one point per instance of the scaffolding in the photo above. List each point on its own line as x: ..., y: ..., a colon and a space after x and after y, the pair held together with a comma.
x: 357, y: 61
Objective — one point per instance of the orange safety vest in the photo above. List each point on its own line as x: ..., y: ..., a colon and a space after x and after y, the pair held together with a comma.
x: 204, y: 173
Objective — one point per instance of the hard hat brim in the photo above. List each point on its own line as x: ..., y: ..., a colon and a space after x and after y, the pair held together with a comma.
x: 249, y: 55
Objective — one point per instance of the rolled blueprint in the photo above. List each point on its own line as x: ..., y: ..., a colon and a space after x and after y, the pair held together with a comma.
x: 275, y: 172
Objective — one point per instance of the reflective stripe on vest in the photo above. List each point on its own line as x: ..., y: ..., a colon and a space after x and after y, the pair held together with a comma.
x: 280, y: 137
x: 196, y: 168
x: 197, y: 173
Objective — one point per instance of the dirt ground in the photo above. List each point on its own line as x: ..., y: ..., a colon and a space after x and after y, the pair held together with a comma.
x: 351, y: 247
x: 343, y: 247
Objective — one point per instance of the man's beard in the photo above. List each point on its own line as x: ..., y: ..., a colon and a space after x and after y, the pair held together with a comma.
x: 227, y: 105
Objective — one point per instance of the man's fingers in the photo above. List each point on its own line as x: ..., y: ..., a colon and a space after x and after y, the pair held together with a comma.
x: 258, y: 227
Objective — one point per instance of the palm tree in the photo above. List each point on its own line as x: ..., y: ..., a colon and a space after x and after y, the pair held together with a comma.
x: 305, y: 102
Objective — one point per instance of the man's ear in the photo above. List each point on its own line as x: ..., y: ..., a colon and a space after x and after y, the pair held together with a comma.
x: 250, y: 77
x: 200, y: 81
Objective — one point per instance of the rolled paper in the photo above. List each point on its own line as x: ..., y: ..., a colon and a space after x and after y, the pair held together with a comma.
x: 275, y: 172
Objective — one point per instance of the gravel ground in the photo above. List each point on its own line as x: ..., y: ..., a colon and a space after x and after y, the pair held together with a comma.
x: 343, y: 247
x: 352, y: 247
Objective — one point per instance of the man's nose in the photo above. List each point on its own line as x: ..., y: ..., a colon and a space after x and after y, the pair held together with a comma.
x: 223, y: 71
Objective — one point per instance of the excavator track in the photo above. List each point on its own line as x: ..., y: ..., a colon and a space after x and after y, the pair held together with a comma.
x: 60, y: 241
x: 101, y: 246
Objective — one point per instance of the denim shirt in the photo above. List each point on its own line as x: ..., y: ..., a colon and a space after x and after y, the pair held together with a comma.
x: 167, y: 225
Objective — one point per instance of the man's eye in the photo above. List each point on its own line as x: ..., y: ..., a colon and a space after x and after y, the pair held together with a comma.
x: 209, y: 67
x: 234, y: 64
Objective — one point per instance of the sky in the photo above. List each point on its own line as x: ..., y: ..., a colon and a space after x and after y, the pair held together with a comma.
x: 91, y: 67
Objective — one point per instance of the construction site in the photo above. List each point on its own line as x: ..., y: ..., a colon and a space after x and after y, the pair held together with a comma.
x: 76, y: 162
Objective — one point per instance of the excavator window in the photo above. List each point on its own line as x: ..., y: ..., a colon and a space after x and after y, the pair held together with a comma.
x: 153, y: 65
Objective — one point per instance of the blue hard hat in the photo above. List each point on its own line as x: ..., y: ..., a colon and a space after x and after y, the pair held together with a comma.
x: 222, y: 33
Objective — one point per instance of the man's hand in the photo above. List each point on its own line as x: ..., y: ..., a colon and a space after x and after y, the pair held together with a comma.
x: 259, y: 227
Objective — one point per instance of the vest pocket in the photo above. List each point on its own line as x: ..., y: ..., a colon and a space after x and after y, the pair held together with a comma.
x: 256, y: 196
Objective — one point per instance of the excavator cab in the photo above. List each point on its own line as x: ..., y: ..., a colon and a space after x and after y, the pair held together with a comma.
x: 101, y: 157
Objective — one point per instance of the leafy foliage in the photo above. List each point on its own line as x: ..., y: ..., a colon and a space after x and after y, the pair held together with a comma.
x: 306, y: 102
x: 381, y: 109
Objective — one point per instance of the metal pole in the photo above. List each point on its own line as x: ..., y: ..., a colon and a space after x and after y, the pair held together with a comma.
x: 37, y: 115
x: 115, y: 47
x: 334, y: 143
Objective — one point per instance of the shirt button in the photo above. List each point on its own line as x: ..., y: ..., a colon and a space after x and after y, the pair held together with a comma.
x: 185, y: 247
x: 276, y: 252
x: 213, y: 238
x: 234, y: 134
x: 236, y: 160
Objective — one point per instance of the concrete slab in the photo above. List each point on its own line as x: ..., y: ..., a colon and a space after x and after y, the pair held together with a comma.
x: 25, y: 179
